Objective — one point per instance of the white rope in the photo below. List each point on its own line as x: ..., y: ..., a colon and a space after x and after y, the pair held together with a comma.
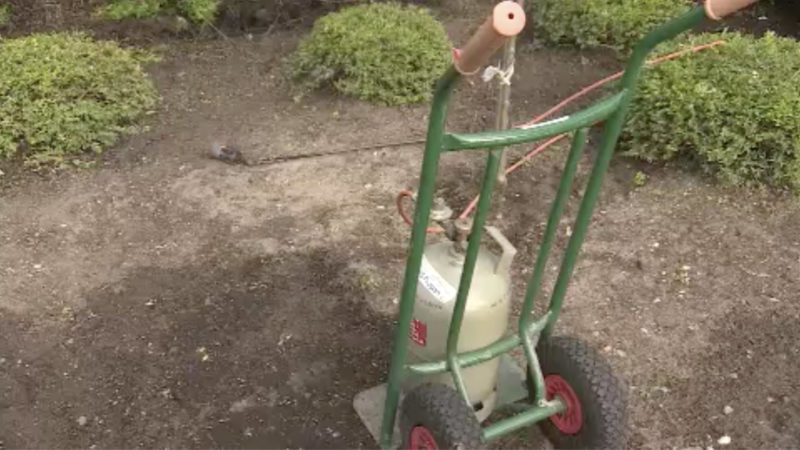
x: 505, y: 75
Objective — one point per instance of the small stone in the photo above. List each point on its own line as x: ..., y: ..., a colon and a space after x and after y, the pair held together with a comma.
x: 657, y: 300
x: 82, y: 421
x: 596, y: 333
x: 621, y: 354
x: 644, y: 330
x: 734, y: 376
x: 248, y: 432
x: 607, y: 348
x: 37, y: 266
x: 727, y: 410
x: 336, y: 434
x: 724, y: 440
x: 150, y: 303
x: 240, y: 406
x: 2, y: 173
x: 770, y: 399
x: 656, y: 244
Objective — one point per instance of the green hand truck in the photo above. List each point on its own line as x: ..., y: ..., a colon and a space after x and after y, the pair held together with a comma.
x: 571, y: 391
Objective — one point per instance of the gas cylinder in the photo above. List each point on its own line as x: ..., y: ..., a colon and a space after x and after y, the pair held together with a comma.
x: 485, y: 318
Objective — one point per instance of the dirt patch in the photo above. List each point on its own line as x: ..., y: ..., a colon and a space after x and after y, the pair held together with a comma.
x: 219, y: 354
x: 166, y: 299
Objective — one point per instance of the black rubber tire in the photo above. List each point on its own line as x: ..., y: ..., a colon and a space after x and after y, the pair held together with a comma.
x: 441, y: 410
x: 602, y: 396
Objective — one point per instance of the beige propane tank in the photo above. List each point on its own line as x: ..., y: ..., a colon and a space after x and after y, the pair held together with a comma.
x: 485, y: 318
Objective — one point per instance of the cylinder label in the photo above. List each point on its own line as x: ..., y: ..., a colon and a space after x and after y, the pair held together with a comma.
x: 418, y: 332
x: 437, y: 286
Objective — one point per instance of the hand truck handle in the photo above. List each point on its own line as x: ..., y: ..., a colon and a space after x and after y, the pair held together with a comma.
x: 507, y: 20
x: 718, y: 9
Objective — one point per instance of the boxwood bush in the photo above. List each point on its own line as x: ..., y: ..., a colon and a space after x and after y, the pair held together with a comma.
x: 618, y: 24
x: 65, y: 93
x: 733, y: 109
x: 383, y: 52
x: 198, y: 11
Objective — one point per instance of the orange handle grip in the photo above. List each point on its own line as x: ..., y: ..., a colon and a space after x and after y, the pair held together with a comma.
x: 507, y: 20
x: 717, y: 9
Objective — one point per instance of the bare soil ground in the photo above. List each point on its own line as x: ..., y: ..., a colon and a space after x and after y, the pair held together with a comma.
x: 169, y: 300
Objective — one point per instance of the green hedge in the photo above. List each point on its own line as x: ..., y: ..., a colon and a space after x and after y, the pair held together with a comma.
x: 383, y: 52
x: 733, y: 109
x: 618, y: 24
x: 65, y: 93
x: 198, y: 11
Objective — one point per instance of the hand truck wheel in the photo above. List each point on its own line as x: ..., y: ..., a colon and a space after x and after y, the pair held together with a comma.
x: 596, y: 399
x: 434, y: 416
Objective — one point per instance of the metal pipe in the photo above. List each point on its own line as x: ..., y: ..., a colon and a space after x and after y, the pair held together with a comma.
x: 523, y: 419
x: 493, y: 139
x: 427, y: 181
x: 526, y: 315
x: 473, y: 357
x: 473, y: 247
x: 610, y: 137
x: 571, y: 166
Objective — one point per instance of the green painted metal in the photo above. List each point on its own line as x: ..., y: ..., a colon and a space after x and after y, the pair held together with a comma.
x: 473, y: 246
x: 614, y: 109
x: 471, y: 358
x: 611, y: 134
x: 493, y: 139
x: 523, y: 419
x: 526, y: 314
x: 427, y: 182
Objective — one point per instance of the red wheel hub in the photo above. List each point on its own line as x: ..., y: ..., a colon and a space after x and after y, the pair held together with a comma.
x: 421, y: 438
x: 571, y: 420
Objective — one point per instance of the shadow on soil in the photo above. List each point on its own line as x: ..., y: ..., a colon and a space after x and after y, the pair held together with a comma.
x: 253, y: 353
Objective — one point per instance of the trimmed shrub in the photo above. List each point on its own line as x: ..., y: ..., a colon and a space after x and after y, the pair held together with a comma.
x: 130, y: 9
x: 65, y: 93
x: 382, y: 52
x: 734, y: 110
x: 198, y: 11
x: 618, y: 24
